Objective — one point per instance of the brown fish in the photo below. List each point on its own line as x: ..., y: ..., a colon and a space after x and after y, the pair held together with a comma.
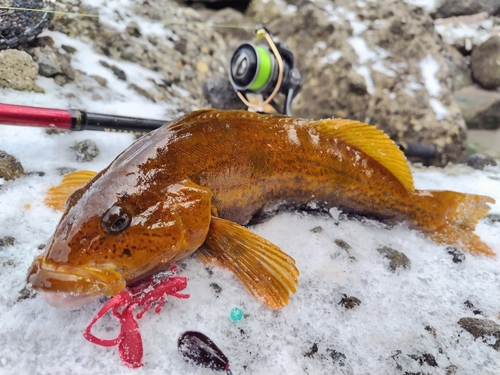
x: 191, y: 185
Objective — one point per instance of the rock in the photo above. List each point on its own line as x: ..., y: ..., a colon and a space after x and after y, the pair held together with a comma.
x: 141, y: 92
x: 133, y: 29
x: 219, y: 92
x: 392, y: 71
x: 233, y: 36
x: 7, y: 241
x: 480, y: 108
x: 457, y: 255
x: 68, y: 49
x: 17, y: 70
x: 349, y: 302
x: 10, y: 167
x: 482, y: 328
x: 479, y: 161
x: 86, y: 150
x: 317, y: 229
x: 100, y: 80
x: 450, y: 8
x: 48, y: 62
x: 397, y: 259
x: 240, y: 5
x: 485, y: 63
x: 342, y: 244
x: 120, y: 74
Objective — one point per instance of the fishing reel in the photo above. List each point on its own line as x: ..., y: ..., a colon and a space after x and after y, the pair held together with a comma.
x: 255, y: 69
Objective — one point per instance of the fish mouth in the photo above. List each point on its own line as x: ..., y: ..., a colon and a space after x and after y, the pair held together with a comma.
x: 65, y: 283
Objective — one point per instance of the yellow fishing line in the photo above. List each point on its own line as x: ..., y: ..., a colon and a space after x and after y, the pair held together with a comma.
x: 166, y: 22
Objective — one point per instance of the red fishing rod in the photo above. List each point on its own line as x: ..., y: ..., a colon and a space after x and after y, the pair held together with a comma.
x: 74, y: 119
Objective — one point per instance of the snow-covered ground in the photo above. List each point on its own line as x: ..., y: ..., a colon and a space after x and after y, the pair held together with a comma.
x: 404, y: 318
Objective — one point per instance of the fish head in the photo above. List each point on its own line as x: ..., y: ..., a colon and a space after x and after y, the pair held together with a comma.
x: 105, y: 241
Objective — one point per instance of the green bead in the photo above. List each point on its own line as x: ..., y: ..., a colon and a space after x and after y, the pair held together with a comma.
x: 236, y: 314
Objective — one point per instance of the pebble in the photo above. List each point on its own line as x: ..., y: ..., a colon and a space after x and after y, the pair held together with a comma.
x: 10, y: 167
x: 479, y: 161
x: 483, y: 328
x: 397, y: 259
x: 86, y: 150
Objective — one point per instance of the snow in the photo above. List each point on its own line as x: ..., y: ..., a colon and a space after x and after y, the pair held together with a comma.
x: 376, y: 337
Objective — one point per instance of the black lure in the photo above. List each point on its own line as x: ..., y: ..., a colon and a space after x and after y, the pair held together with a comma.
x: 198, y: 348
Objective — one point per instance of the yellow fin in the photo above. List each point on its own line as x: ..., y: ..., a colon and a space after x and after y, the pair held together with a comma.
x: 267, y: 272
x: 56, y: 196
x: 373, y: 142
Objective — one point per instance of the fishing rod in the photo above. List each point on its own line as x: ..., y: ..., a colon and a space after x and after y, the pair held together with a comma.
x: 74, y: 119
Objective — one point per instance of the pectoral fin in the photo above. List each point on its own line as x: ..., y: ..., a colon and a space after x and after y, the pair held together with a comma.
x: 266, y: 271
x: 56, y: 196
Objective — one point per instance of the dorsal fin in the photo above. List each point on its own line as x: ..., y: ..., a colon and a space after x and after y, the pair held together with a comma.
x: 371, y: 141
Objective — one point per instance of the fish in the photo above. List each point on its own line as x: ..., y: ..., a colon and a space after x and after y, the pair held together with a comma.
x: 193, y: 185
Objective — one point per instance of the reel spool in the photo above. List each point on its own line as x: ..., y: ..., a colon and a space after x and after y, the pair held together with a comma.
x: 266, y: 71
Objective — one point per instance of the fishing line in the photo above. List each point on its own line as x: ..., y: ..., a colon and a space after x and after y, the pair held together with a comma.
x: 164, y: 21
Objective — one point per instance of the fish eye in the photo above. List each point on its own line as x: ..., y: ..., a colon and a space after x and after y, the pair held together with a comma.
x: 115, y: 220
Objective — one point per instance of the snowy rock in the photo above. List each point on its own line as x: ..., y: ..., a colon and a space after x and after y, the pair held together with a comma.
x: 10, y: 167
x: 450, y: 8
x: 7, y: 241
x: 393, y: 48
x: 480, y: 108
x: 479, y: 161
x: 18, y: 70
x: 483, y: 328
x: 86, y: 150
x: 485, y: 63
x: 397, y: 258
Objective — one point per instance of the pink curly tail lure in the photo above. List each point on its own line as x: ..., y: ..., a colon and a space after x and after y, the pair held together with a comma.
x: 148, y: 292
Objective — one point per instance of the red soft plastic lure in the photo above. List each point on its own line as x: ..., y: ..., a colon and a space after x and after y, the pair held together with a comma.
x: 145, y: 294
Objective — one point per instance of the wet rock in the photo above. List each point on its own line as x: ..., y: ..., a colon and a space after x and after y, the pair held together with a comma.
x: 7, y: 241
x: 485, y: 63
x: 480, y: 108
x: 397, y: 259
x: 349, y: 302
x: 458, y: 256
x: 17, y: 70
x: 10, y: 167
x: 86, y: 150
x: 486, y: 329
x: 479, y: 161
x: 219, y: 92
x: 450, y: 8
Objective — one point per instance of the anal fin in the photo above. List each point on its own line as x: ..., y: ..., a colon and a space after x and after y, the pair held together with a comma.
x: 267, y: 272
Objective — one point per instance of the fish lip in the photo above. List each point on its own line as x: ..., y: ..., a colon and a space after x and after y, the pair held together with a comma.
x: 91, y: 279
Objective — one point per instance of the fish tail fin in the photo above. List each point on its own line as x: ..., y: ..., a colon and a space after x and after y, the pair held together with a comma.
x: 452, y: 217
